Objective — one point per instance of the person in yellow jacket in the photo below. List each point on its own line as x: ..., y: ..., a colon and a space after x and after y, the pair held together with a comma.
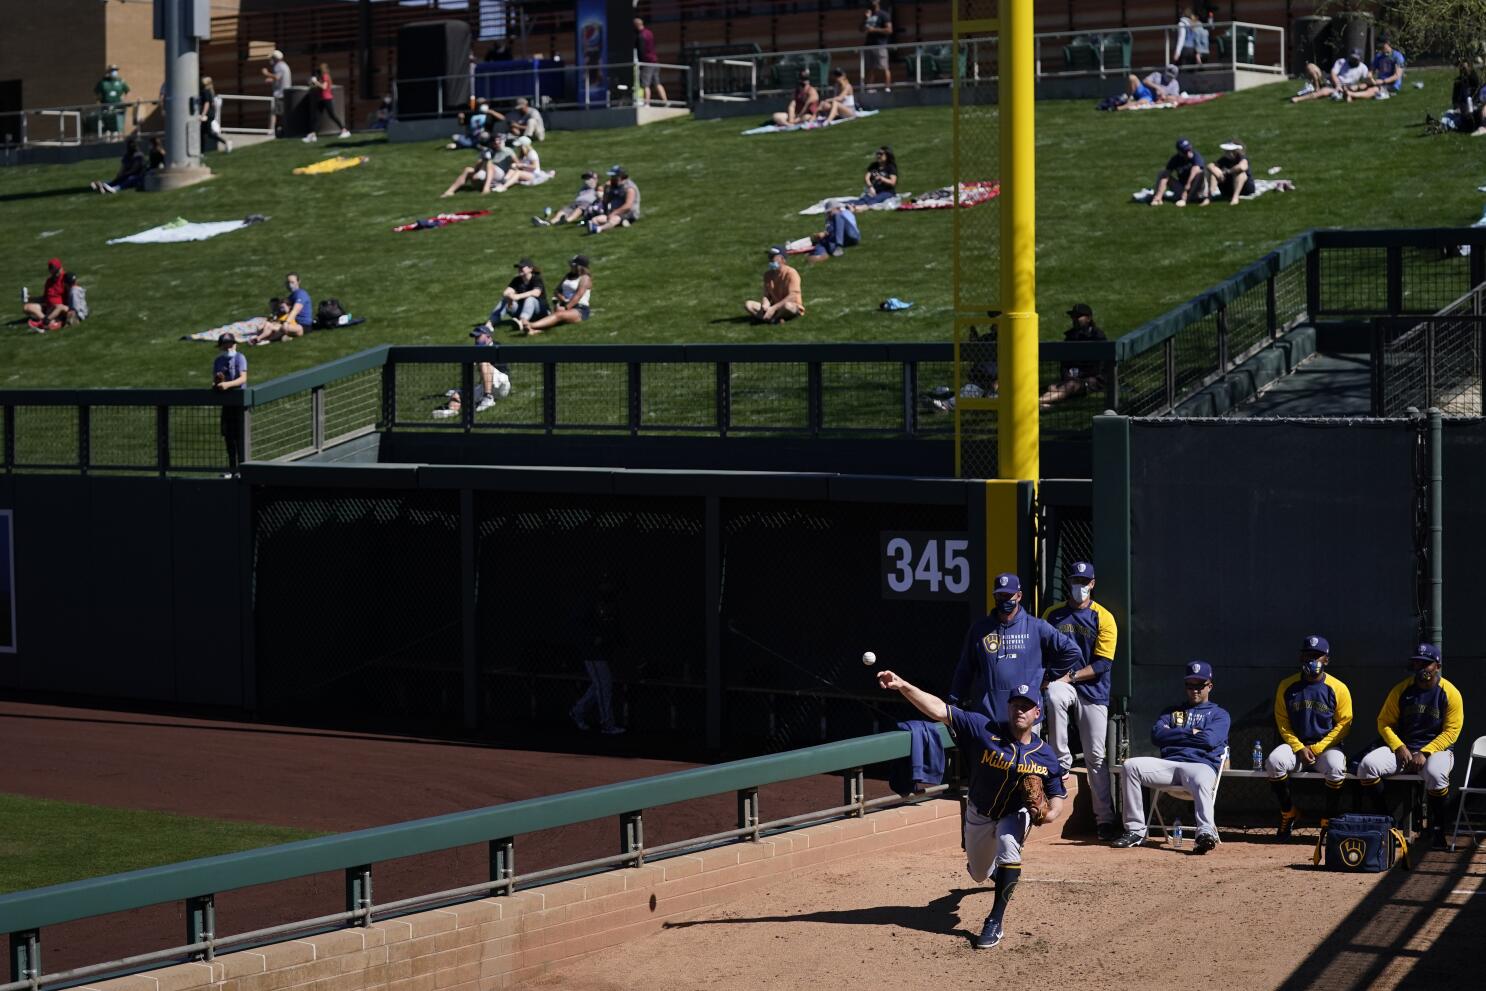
x: 1420, y: 721
x: 1313, y: 711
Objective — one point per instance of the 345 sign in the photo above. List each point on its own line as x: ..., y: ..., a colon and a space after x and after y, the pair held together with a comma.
x: 923, y: 565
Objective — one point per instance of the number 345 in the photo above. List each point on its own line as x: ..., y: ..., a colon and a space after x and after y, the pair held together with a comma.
x: 941, y: 565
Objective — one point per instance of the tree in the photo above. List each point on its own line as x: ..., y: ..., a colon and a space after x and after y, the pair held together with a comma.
x: 1454, y: 28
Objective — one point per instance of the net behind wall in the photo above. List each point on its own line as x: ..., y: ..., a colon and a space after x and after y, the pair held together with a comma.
x: 356, y: 601
x: 802, y: 600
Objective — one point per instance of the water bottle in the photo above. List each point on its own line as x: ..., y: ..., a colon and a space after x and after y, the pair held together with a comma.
x: 1177, y: 834
x: 1258, y: 756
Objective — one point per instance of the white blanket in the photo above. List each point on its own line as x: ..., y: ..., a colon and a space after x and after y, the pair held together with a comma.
x: 809, y: 125
x: 180, y: 229
x: 891, y: 203
x: 1261, y: 186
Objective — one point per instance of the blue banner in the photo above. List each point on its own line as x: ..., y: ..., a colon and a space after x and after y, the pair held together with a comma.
x: 593, y: 28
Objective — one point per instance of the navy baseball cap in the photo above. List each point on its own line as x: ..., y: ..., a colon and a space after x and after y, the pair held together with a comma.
x: 1007, y: 583
x: 1028, y: 692
x: 1082, y: 571
x: 1183, y: 145
x: 1315, y: 645
x: 1427, y: 652
x: 1198, y: 671
x: 774, y: 250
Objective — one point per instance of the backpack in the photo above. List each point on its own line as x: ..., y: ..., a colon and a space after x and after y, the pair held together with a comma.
x: 1363, y: 844
x: 329, y: 313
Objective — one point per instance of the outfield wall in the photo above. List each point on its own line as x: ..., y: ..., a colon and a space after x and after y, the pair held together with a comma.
x: 505, y: 941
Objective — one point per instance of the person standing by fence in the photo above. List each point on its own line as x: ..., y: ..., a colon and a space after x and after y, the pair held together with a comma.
x: 111, y: 90
x: 649, y: 64
x: 280, y: 79
x: 230, y: 371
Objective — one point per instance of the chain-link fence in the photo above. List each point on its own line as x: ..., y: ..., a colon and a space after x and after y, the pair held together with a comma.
x: 1433, y: 361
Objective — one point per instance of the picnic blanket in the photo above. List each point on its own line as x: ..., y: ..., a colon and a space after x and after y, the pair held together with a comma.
x: 442, y: 220
x: 891, y: 203
x: 337, y: 164
x: 971, y: 194
x: 181, y: 229
x: 1261, y: 186
x: 243, y: 330
x: 1185, y: 100
x: 809, y: 125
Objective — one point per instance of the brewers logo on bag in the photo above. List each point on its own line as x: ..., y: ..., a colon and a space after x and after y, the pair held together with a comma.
x: 1352, y: 851
x: 1364, y: 843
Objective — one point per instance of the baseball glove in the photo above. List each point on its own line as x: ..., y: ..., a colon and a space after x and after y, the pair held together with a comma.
x: 1035, y: 799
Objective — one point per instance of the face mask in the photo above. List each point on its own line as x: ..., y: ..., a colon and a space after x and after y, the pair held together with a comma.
x: 1079, y: 594
x: 1007, y: 606
x: 1312, y: 667
x: 774, y: 265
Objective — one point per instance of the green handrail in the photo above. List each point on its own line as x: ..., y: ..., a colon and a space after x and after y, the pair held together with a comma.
x: 26, y: 910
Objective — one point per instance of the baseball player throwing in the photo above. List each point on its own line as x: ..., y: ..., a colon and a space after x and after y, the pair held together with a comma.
x: 1083, y: 693
x: 1420, y: 721
x: 1313, y: 712
x: 1015, y: 783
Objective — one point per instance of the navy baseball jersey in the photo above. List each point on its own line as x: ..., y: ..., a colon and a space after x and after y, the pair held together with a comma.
x: 1093, y: 629
x: 996, y: 657
x: 1313, y: 714
x: 1196, y: 735
x: 998, y: 763
x: 1424, y: 719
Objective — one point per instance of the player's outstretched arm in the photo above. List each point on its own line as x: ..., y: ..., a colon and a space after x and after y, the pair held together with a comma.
x: 930, y: 705
x: 1054, y: 810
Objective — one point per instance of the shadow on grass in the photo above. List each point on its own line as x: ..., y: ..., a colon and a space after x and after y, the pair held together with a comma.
x: 1416, y: 929
x: 43, y: 194
x: 740, y: 318
x: 940, y: 917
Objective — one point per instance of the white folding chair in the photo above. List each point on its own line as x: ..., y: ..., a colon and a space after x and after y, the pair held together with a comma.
x: 1478, y: 750
x: 1182, y: 795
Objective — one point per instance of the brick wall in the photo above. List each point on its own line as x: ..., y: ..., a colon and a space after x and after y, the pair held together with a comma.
x: 503, y: 942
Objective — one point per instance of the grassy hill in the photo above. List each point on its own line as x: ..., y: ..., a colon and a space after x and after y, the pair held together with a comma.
x: 713, y: 201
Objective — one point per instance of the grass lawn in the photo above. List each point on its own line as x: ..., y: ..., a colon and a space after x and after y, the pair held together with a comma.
x: 713, y: 201
x: 45, y: 842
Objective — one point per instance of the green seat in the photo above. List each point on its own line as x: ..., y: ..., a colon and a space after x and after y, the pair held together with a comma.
x: 1081, y: 57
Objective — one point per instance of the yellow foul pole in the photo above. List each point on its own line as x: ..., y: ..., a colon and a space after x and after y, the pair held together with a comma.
x: 1016, y: 349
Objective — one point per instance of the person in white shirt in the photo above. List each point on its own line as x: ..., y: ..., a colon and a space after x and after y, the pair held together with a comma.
x: 1347, y: 80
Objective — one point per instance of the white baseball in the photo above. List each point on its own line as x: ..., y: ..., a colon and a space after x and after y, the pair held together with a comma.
x: 869, y: 658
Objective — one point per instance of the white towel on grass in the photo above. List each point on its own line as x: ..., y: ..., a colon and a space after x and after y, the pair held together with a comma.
x: 808, y: 125
x: 181, y: 229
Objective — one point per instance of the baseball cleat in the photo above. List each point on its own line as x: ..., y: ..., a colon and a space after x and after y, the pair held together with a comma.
x: 1287, y: 824
x: 1128, y: 840
x: 990, y: 934
x: 1109, y: 831
x: 1205, y: 842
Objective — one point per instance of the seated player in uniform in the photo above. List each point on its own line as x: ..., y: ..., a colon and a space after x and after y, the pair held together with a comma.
x: 1313, y: 711
x: 1000, y: 810
x: 1192, y: 739
x: 1420, y: 721
x: 1083, y: 694
x: 1006, y: 649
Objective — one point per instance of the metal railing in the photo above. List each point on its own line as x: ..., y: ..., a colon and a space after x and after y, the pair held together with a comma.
x: 240, y: 108
x: 197, y: 883
x: 1098, y: 53
x: 549, y: 86
x: 77, y: 124
x: 1437, y: 361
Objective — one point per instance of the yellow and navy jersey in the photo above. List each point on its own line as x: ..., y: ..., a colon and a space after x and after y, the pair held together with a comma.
x: 998, y: 763
x: 1313, y: 714
x: 1093, y: 629
x: 1427, y: 720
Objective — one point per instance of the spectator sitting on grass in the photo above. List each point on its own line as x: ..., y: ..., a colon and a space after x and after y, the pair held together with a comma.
x: 1463, y: 91
x: 482, y: 174
x: 288, y: 317
x: 133, y: 165
x: 1077, y: 377
x: 526, y: 121
x: 881, y: 180
x: 157, y: 154
x: 841, y: 233
x: 782, y: 299
x: 1387, y: 69
x: 803, y: 105
x: 524, y: 299
x: 1185, y: 172
x: 477, y: 126
x: 76, y: 300
x: 523, y: 168
x: 1160, y: 86
x: 1348, y: 76
x: 843, y: 101
x: 588, y: 203
x: 1230, y: 175
x: 621, y: 202
x: 53, y: 305
x: 570, y: 304
x: 493, y: 382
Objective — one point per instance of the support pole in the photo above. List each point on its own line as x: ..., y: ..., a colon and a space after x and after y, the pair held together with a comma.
x: 1436, y: 528
x: 179, y: 23
x: 1017, y: 433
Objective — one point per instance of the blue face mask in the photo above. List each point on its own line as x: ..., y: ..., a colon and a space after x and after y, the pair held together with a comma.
x: 1312, y: 667
x: 1007, y: 606
x: 774, y: 265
